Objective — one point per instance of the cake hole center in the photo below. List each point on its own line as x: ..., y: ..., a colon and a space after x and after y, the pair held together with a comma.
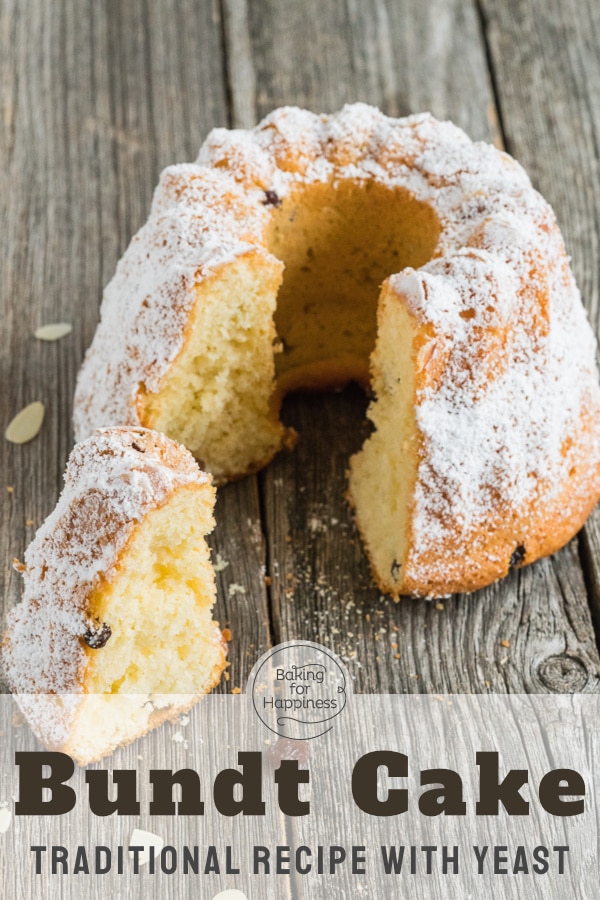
x: 339, y: 241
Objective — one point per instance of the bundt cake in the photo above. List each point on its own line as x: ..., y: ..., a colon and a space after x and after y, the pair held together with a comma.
x: 259, y: 272
x: 114, y: 631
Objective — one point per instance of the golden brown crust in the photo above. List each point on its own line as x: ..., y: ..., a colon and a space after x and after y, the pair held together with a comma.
x: 538, y: 495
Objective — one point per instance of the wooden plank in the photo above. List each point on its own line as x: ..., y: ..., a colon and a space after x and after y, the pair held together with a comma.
x: 547, y: 75
x: 95, y: 102
x: 96, y: 99
x: 590, y: 557
x: 240, y: 69
x: 401, y: 56
x: 531, y: 632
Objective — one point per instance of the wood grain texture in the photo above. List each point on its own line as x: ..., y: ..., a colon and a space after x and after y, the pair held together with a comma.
x: 547, y: 75
x: 240, y: 68
x: 533, y: 631
x: 95, y: 103
x: 590, y: 556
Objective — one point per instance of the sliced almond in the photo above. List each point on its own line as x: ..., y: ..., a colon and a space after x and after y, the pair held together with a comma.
x: 145, y: 839
x: 424, y: 355
x: 230, y: 894
x: 53, y: 332
x: 26, y: 424
x: 5, y: 820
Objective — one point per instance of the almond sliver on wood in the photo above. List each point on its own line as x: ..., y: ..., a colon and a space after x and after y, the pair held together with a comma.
x: 53, y: 332
x: 26, y: 424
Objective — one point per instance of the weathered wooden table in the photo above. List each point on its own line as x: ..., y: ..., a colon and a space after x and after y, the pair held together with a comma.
x: 97, y: 97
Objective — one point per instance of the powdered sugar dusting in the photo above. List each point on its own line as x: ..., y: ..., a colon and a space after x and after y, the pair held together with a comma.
x: 504, y: 423
x: 196, y: 225
x: 112, y: 480
x: 204, y: 215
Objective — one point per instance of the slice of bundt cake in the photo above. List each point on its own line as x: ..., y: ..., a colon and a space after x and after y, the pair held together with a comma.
x: 114, y: 632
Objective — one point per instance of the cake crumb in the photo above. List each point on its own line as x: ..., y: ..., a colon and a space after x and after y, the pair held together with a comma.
x: 226, y: 634
x: 505, y: 643
x: 234, y: 589
x: 316, y: 526
x: 220, y: 564
x: 439, y: 605
x: 10, y: 489
x: 236, y: 690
